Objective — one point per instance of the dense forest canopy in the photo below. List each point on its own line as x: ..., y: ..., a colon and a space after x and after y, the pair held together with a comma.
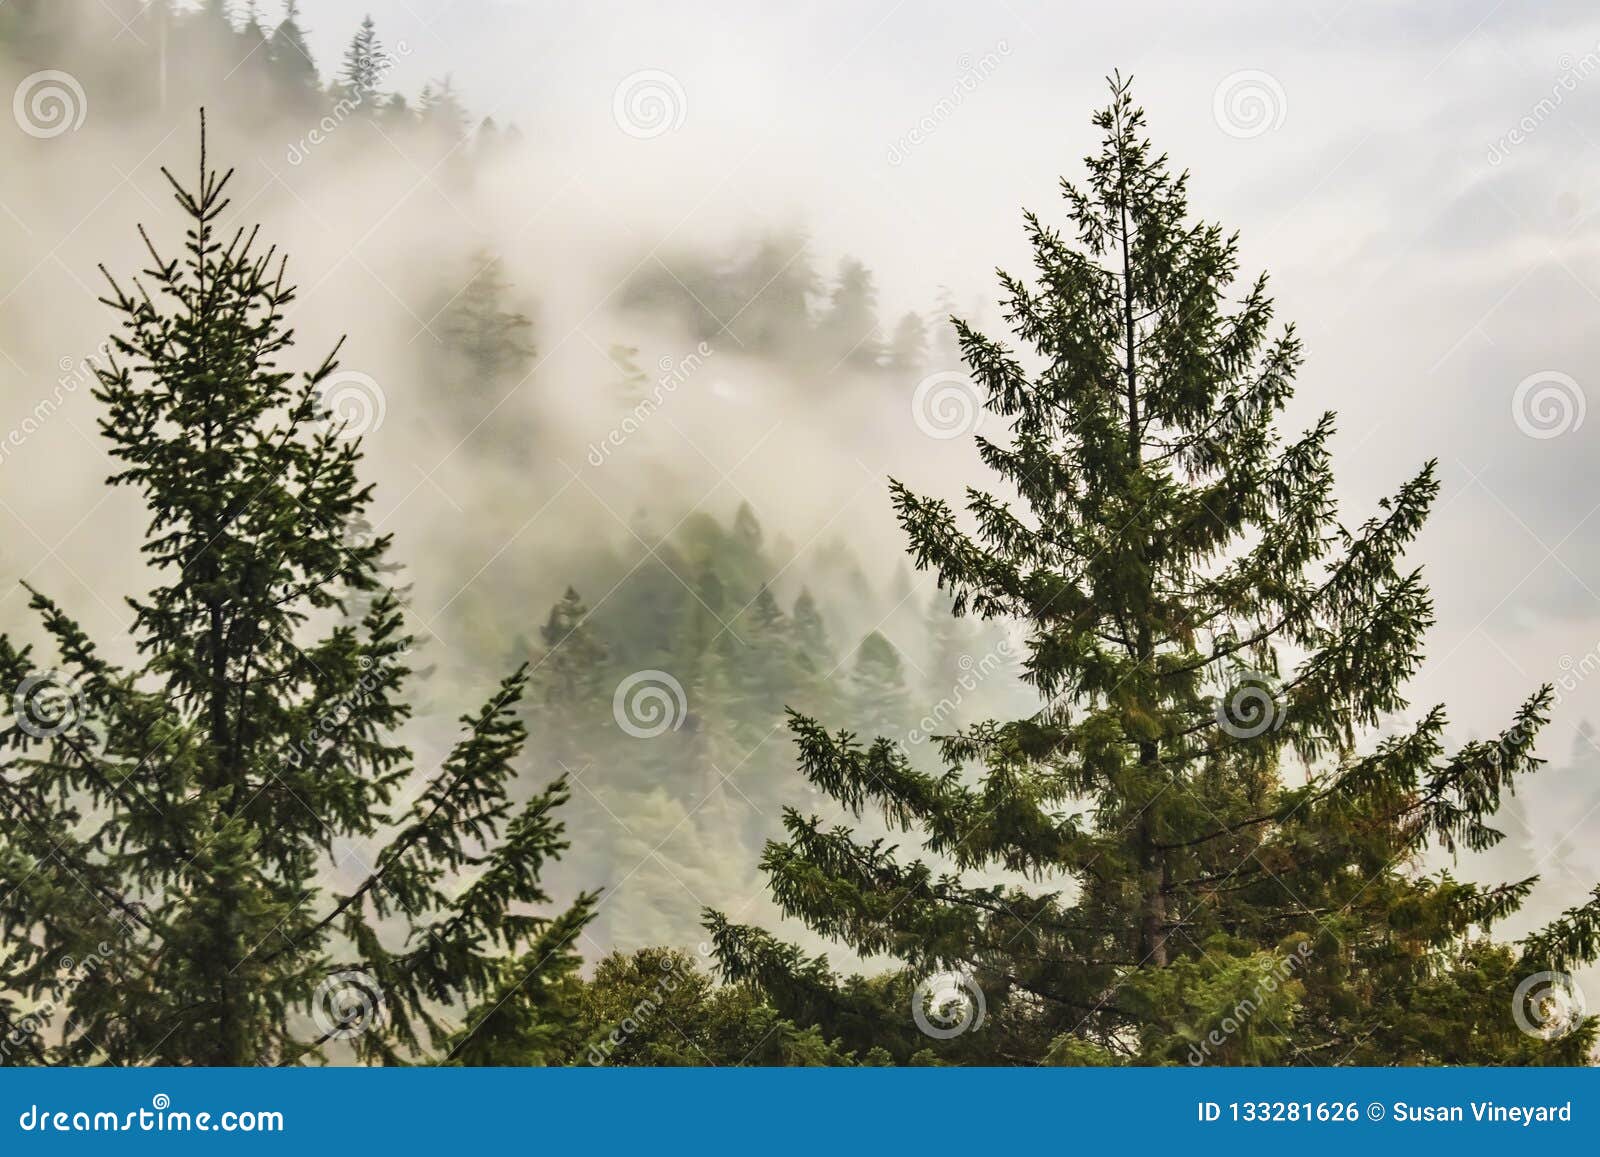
x: 1114, y: 764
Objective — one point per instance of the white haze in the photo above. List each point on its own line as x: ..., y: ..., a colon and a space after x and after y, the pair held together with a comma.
x: 1427, y: 282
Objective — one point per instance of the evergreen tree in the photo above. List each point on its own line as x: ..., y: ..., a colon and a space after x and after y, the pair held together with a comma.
x: 772, y: 673
x: 572, y: 668
x: 950, y: 641
x: 487, y: 350
x: 765, y: 299
x: 767, y: 614
x: 848, y: 330
x: 811, y: 633
x: 747, y: 528
x: 253, y: 36
x: 812, y: 663
x: 657, y: 1007
x: 480, y: 324
x: 442, y: 115
x: 170, y: 821
x: 908, y: 348
x: 293, y: 71
x: 1196, y: 615
x: 946, y: 340
x: 365, y: 62
x: 250, y: 77
x: 877, y: 691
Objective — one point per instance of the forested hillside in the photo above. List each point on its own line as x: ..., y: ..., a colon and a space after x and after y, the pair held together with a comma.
x: 515, y: 677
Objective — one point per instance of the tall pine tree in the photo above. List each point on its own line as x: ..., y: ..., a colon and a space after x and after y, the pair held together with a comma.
x: 365, y: 62
x: 169, y: 825
x: 1196, y: 615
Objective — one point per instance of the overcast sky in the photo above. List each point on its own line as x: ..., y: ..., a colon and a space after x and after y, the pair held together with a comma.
x: 1423, y: 186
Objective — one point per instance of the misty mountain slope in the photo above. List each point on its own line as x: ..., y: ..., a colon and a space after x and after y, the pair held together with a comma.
x: 648, y: 462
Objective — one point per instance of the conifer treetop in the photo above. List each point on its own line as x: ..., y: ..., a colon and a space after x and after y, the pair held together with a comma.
x: 252, y: 834
x: 1196, y: 611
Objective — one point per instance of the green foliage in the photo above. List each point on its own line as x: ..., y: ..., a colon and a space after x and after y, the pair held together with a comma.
x: 658, y: 1006
x: 484, y: 351
x: 1115, y: 870
x: 847, y: 332
x: 365, y: 62
x: 202, y: 796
